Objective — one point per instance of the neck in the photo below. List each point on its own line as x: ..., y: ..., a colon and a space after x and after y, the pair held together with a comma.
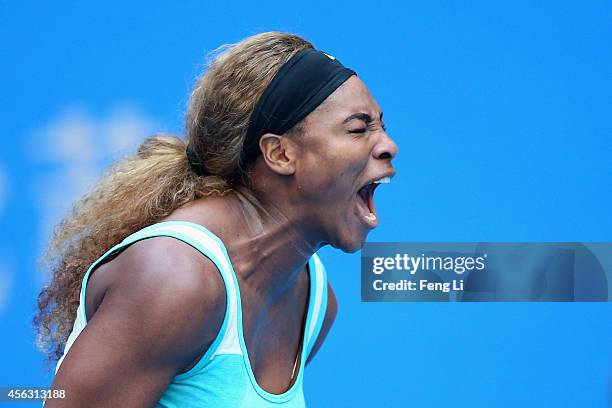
x: 272, y: 246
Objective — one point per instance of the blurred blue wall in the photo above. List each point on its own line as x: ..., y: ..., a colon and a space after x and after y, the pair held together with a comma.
x: 503, y: 116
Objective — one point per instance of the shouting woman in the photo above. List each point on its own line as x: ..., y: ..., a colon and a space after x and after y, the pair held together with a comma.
x: 188, y: 275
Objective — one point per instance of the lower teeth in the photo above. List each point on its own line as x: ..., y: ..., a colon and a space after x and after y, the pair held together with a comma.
x: 371, y: 217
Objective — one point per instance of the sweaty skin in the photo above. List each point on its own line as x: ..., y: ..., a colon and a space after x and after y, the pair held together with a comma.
x: 156, y: 307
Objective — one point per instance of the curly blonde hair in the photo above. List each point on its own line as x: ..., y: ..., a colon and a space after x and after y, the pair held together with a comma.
x: 150, y: 185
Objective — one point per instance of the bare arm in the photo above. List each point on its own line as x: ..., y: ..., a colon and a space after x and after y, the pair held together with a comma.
x: 163, y: 310
x: 328, y: 321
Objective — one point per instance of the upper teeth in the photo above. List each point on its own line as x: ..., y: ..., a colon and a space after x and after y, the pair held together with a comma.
x: 384, y: 180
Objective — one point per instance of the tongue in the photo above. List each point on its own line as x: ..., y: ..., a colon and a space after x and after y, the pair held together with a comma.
x: 367, y: 194
x: 371, y: 198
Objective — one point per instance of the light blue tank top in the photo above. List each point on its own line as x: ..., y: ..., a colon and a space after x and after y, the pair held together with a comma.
x: 223, y: 377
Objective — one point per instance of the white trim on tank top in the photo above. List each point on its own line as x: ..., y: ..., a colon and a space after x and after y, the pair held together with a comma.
x: 230, y: 343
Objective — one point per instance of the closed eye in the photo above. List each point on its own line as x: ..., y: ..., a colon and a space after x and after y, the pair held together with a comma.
x: 363, y: 130
x: 358, y: 130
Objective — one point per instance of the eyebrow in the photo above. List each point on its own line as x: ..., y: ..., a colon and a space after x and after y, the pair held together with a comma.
x: 362, y: 116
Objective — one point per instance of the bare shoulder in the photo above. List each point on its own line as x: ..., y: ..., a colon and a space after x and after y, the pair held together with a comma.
x: 163, y: 308
x: 164, y: 275
x: 169, y: 265
x: 167, y: 280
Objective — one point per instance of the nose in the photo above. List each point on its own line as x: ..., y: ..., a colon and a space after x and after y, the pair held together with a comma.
x: 385, y: 148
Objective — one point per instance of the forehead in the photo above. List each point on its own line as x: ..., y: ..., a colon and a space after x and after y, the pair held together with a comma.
x: 351, y: 97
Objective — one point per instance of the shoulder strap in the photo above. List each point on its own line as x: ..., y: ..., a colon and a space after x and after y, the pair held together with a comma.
x: 201, y: 239
x: 320, y: 303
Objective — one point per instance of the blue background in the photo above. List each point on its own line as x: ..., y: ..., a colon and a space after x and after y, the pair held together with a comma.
x: 503, y: 116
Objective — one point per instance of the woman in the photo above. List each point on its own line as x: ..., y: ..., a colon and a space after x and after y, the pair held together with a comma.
x: 285, y: 148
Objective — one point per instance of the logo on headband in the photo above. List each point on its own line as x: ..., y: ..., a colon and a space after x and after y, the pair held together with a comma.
x: 331, y: 57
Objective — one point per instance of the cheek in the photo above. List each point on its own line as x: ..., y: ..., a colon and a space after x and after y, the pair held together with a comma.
x: 329, y: 167
x: 332, y: 176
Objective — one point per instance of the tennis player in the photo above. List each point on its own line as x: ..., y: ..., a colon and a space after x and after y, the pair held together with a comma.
x: 188, y: 276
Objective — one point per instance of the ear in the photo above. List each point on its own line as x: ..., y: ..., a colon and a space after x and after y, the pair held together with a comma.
x: 278, y: 153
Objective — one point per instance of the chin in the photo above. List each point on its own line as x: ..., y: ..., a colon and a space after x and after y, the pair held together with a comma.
x: 350, y: 244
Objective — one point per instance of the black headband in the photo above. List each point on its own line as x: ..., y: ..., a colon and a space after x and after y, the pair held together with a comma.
x: 302, y: 84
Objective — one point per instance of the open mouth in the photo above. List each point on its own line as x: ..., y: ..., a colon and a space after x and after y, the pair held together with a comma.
x: 366, y: 200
